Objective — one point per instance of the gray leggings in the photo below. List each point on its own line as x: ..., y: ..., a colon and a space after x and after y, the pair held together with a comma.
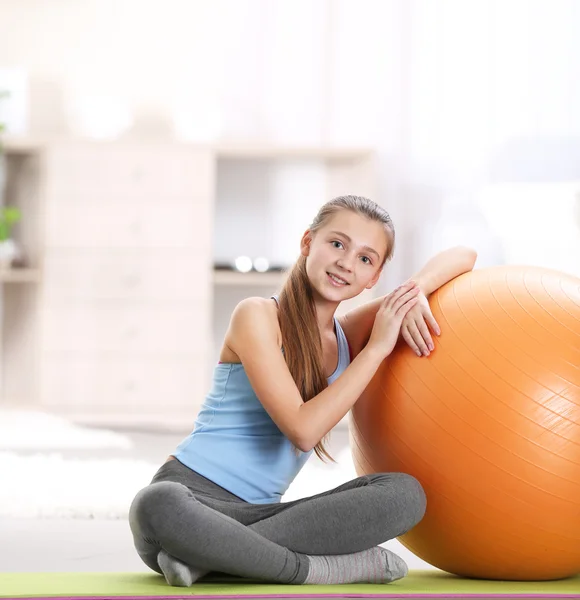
x: 207, y: 527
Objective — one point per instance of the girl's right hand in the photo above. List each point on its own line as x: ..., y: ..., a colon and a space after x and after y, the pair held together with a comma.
x: 390, y: 316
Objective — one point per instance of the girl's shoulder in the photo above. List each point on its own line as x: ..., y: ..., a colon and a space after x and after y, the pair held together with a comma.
x: 256, y: 307
x: 256, y: 315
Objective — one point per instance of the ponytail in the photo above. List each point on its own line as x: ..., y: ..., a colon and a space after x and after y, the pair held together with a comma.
x: 301, y: 338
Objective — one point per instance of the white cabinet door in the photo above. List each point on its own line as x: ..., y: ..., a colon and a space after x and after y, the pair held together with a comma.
x: 140, y: 329
x: 159, y: 275
x: 147, y: 171
x: 126, y: 299
x: 122, y: 384
x: 92, y: 223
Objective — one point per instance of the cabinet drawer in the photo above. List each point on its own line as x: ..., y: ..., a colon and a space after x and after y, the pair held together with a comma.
x: 135, y: 329
x: 122, y: 384
x: 129, y: 224
x: 146, y: 275
x: 147, y: 171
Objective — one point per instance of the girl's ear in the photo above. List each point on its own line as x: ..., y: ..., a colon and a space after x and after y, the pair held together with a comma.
x: 305, y: 243
x: 373, y: 281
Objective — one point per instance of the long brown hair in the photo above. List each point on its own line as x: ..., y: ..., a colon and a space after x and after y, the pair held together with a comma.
x: 297, y: 314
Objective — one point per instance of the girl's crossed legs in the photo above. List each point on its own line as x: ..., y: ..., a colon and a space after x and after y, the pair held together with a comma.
x: 207, y: 527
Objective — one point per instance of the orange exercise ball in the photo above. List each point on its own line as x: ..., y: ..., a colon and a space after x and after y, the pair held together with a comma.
x: 489, y: 423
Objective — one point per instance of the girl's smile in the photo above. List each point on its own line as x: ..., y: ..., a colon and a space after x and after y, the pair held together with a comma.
x: 336, y: 281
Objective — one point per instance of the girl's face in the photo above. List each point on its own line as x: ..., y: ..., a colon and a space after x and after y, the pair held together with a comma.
x: 344, y: 257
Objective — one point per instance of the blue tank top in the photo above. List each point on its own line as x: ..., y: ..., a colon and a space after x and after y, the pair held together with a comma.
x: 237, y: 445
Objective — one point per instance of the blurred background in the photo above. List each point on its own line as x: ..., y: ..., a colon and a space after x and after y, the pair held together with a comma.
x: 159, y: 162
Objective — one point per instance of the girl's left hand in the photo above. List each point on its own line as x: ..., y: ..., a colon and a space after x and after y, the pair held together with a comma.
x: 414, y: 327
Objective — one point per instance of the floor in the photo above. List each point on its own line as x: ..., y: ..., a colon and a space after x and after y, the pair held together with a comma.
x: 52, y: 466
x: 104, y: 544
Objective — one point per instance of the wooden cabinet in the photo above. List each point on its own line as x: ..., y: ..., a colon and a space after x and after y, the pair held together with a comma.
x: 125, y: 291
x: 113, y: 320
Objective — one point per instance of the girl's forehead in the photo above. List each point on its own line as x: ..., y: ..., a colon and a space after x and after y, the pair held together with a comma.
x: 355, y: 226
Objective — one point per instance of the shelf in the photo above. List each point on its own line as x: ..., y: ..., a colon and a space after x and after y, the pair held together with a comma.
x: 253, y: 278
x: 233, y: 150
x: 21, y: 145
x: 19, y: 275
x: 272, y: 151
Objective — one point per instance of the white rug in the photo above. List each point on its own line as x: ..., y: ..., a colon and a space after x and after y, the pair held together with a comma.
x: 21, y: 429
x: 47, y: 485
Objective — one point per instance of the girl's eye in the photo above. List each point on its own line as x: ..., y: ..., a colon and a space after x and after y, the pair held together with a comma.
x: 337, y: 242
x: 366, y: 260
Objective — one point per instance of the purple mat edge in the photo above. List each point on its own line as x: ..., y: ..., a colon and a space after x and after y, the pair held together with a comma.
x: 233, y: 596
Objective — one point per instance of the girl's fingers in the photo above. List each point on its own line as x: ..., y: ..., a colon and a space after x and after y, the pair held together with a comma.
x: 433, y: 324
x: 405, y: 297
x: 416, y: 335
x: 425, y: 335
x: 399, y: 291
x: 402, y: 311
x: 410, y: 341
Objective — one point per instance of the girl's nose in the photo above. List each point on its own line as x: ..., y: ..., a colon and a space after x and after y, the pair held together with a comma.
x: 345, y: 263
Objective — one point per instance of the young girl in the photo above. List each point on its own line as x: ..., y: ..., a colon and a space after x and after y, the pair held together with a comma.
x: 289, y: 371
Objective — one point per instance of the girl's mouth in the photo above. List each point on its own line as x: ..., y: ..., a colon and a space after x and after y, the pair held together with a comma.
x: 336, y: 281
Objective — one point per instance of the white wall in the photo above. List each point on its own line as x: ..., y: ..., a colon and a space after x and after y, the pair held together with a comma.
x: 263, y: 209
x: 451, y: 93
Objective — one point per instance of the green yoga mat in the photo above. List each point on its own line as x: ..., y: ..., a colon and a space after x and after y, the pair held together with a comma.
x: 418, y: 584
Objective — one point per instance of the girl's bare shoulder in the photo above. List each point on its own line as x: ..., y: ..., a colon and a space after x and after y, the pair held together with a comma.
x: 253, y: 312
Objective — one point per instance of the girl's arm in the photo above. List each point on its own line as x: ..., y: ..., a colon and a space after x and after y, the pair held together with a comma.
x: 253, y: 337
x: 443, y: 267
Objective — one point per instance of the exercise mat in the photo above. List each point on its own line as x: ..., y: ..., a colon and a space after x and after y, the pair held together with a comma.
x: 418, y: 584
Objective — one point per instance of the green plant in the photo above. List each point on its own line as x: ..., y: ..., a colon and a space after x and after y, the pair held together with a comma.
x: 9, y: 215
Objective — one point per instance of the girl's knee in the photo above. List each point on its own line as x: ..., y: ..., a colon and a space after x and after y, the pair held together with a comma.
x: 410, y: 492
x: 414, y: 496
x: 155, y: 502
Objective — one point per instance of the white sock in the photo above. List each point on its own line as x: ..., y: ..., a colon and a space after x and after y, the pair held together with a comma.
x: 178, y: 573
x: 376, y: 565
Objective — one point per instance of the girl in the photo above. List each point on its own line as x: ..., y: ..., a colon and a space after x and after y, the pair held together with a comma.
x: 289, y: 371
